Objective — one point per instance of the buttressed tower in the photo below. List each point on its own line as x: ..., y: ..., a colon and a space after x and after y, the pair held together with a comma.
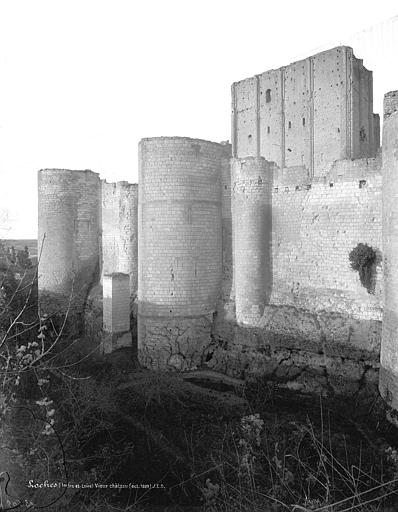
x: 69, y: 232
x: 305, y: 191
x: 252, y: 227
x: 179, y: 249
x: 87, y: 230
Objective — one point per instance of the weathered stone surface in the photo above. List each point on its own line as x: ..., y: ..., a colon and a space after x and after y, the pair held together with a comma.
x: 69, y: 232
x: 245, y: 267
x: 307, y: 114
x: 173, y: 343
x: 114, y: 341
x: 389, y: 345
x: 116, y: 312
x: 180, y: 246
x: 251, y: 232
x: 119, y: 230
x: 390, y: 104
x: 84, y: 229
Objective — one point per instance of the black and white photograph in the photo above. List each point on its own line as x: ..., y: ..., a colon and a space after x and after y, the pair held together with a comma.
x: 198, y: 256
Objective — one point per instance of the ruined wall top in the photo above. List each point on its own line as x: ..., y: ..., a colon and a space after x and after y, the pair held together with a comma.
x: 390, y: 103
x: 309, y: 113
x: 70, y: 172
x: 223, y: 147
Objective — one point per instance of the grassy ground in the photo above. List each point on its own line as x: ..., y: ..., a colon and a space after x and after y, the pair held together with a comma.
x: 218, y: 447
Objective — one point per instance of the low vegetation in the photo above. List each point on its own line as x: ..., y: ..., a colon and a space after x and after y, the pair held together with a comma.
x: 89, y: 434
x: 363, y: 259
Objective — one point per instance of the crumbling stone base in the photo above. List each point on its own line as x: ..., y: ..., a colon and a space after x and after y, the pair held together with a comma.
x: 173, y: 343
x: 322, y: 353
x: 113, y: 341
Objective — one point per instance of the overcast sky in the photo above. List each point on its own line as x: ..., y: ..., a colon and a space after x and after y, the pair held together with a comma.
x: 83, y: 80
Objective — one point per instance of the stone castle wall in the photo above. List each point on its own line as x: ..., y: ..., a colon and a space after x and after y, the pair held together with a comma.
x: 318, y: 315
x: 252, y: 230
x: 227, y: 286
x: 307, y: 114
x: 314, y: 120
x: 314, y: 227
x: 69, y: 231
x: 389, y: 353
x: 180, y: 247
x: 119, y: 212
x: 243, y: 262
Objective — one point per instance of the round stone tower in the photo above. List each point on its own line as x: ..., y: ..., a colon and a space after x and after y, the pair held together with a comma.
x: 179, y: 248
x: 68, y: 232
x: 251, y: 184
x: 389, y: 346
